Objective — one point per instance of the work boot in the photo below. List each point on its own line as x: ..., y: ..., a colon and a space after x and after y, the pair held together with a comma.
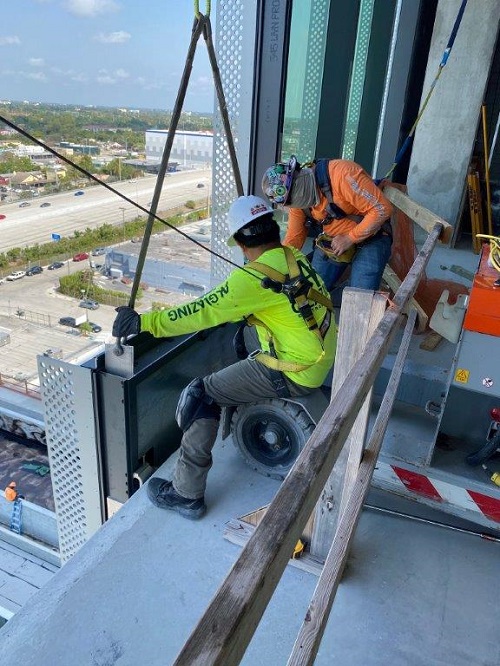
x: 163, y: 494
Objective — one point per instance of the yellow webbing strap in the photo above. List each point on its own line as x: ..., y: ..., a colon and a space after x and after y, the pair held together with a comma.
x: 197, y: 8
x: 312, y: 294
x: 268, y: 271
x: 270, y: 361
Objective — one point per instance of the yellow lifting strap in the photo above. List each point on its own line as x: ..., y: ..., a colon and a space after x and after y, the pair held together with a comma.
x: 302, y: 300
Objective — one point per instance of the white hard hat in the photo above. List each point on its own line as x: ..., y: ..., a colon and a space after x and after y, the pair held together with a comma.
x: 244, y: 210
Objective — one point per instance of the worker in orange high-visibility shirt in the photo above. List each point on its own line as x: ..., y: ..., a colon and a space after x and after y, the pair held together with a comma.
x: 344, y: 209
x: 11, y: 493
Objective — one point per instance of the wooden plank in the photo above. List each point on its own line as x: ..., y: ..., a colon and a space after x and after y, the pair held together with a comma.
x: 239, y: 532
x: 394, y: 282
x: 229, y: 622
x: 360, y: 313
x: 431, y: 341
x: 420, y: 215
x: 254, y: 518
x: 309, y: 637
x: 356, y: 440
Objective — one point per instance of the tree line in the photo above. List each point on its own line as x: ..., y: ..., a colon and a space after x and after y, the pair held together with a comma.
x: 53, y: 123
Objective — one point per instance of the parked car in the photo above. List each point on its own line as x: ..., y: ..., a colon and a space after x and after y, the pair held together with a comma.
x: 78, y: 322
x: 55, y: 265
x: 98, y: 251
x: 16, y: 275
x: 74, y: 322
x: 81, y: 256
x: 34, y: 270
x: 25, y: 204
x: 44, y: 205
x: 2, y: 217
x: 89, y: 304
x: 54, y: 352
x: 200, y: 185
x: 79, y: 193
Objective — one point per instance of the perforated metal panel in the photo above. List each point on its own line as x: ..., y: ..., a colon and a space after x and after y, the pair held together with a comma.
x: 251, y: 44
x: 235, y: 49
x: 357, y: 79
x: 66, y: 391
x: 300, y: 133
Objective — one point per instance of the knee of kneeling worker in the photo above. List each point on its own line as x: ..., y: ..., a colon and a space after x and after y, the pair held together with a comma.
x: 194, y: 404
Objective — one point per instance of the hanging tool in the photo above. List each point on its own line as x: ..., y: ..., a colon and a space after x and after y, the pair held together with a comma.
x: 494, y: 476
x: 201, y: 26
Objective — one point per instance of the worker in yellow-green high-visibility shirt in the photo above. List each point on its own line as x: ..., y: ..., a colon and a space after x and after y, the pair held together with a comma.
x: 296, y: 331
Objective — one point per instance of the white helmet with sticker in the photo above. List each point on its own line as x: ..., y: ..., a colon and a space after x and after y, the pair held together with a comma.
x: 244, y: 210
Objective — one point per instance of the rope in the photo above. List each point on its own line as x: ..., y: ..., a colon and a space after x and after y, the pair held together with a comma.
x: 442, y: 64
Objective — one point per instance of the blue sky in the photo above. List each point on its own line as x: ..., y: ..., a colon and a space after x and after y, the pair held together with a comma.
x: 123, y: 53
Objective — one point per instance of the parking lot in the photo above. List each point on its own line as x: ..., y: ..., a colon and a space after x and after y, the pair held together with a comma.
x: 30, y: 308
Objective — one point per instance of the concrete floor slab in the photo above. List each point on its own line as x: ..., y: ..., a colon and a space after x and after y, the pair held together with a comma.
x: 412, y: 594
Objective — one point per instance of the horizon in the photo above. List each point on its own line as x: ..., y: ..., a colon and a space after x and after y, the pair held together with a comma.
x: 103, y: 53
x: 76, y: 105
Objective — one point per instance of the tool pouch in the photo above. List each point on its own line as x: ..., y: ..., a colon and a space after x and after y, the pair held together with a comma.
x: 323, y: 243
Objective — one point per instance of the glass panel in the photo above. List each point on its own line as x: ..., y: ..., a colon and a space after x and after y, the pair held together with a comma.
x: 304, y: 78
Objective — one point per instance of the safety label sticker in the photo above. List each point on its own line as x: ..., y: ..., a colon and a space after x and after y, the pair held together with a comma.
x: 462, y: 375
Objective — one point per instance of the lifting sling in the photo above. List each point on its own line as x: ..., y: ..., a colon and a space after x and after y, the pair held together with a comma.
x: 201, y: 26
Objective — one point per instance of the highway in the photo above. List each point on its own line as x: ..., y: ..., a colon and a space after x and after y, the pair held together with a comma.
x: 67, y: 213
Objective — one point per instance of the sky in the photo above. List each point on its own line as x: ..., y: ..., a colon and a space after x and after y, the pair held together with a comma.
x: 120, y: 53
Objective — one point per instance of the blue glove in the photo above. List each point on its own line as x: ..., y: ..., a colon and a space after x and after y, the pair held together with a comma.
x: 127, y: 322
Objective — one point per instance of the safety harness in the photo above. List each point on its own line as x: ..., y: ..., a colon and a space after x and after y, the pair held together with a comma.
x: 299, y: 292
x: 334, y: 212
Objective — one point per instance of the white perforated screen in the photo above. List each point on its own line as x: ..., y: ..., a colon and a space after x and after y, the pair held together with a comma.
x: 235, y: 49
x: 66, y: 391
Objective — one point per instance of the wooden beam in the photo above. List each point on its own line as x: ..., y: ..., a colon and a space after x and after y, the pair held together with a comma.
x: 238, y: 531
x: 360, y: 314
x: 228, y: 624
x: 309, y: 637
x: 393, y: 282
x: 420, y: 215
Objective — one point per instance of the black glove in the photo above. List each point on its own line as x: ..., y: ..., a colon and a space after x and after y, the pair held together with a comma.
x: 127, y: 322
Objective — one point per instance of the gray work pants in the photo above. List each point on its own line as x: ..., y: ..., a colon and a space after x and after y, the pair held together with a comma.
x: 243, y: 382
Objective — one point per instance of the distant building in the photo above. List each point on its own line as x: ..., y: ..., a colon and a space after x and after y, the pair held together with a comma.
x: 188, y: 148
x: 80, y: 148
